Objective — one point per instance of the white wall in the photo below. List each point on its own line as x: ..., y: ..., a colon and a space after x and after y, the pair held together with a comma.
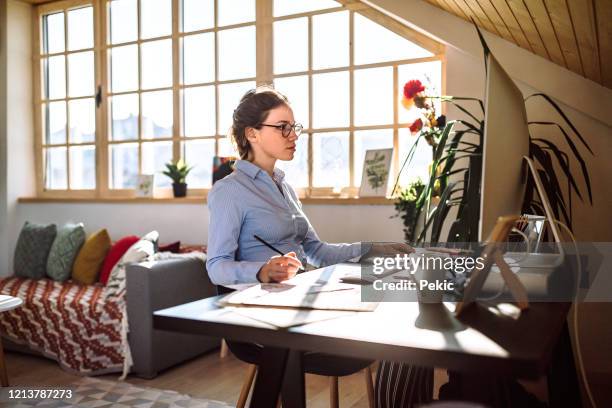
x: 18, y: 163
x: 4, y: 234
x: 189, y: 222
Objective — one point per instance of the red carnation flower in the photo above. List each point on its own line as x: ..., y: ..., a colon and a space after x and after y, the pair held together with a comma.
x: 416, y: 126
x: 412, y: 88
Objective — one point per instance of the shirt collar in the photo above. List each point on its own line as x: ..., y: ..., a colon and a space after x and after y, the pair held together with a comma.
x: 252, y: 170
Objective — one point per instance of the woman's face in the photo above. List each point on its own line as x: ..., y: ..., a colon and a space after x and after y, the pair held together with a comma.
x: 270, y: 140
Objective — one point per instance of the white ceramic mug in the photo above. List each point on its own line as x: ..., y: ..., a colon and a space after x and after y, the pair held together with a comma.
x: 429, y: 273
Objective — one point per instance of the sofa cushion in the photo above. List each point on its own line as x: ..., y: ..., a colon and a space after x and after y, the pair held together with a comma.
x: 65, y: 248
x: 90, y: 258
x: 115, y: 253
x: 139, y: 252
x: 32, y: 250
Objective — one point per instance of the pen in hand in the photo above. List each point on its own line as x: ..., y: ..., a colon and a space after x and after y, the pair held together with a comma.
x: 274, y: 249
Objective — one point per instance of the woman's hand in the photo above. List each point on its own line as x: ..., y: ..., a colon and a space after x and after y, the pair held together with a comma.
x: 387, y: 250
x: 279, y: 268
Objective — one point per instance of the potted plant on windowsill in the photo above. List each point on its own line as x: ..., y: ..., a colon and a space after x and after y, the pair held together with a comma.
x: 178, y: 173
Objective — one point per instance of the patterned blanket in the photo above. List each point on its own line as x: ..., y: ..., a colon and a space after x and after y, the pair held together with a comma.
x: 80, y: 326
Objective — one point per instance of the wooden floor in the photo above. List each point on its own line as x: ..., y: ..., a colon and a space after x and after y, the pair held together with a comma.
x: 207, y: 376
x: 212, y: 377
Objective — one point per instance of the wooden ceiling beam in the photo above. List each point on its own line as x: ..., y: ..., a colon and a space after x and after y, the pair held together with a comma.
x: 564, y: 29
x: 603, y: 16
x: 583, y: 19
x: 531, y: 32
x: 513, y: 25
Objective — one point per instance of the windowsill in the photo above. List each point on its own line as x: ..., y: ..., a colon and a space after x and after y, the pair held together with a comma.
x: 202, y: 200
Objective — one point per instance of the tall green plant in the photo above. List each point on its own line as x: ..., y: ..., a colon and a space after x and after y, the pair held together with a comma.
x: 460, y: 180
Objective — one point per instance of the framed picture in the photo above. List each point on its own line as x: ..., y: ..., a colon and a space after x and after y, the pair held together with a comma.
x: 144, y: 185
x: 375, y: 176
x: 222, y: 166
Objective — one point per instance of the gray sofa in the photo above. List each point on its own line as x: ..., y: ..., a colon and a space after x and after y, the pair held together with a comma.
x: 157, y: 285
x: 151, y: 286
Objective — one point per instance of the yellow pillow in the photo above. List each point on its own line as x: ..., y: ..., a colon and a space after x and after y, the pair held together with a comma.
x: 90, y: 258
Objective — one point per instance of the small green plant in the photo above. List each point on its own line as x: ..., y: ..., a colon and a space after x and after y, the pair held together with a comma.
x: 177, y: 171
x: 406, y: 208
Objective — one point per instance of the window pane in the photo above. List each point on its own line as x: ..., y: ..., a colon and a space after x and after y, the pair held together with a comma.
x: 82, y: 167
x: 199, y: 58
x: 156, y: 64
x: 56, y: 174
x: 373, y: 96
x: 124, y: 110
x: 55, y: 77
x: 198, y: 14
x: 284, y: 7
x: 123, y: 165
x: 419, y: 167
x: 237, y: 53
x: 82, y: 120
x: 370, y: 35
x: 80, y: 28
x: 123, y: 21
x: 296, y: 90
x: 199, y: 111
x: 124, y: 68
x: 155, y: 18
x: 157, y: 114
x: 330, y: 40
x: 235, y: 11
x: 330, y: 159
x: 81, y: 74
x: 226, y: 148
x: 370, y: 140
x: 55, y: 122
x: 430, y: 75
x: 291, y: 45
x: 199, y: 153
x: 229, y: 97
x: 53, y: 33
x: 296, y: 170
x: 154, y: 158
x: 330, y: 105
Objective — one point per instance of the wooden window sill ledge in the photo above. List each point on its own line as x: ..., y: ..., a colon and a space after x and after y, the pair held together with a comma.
x: 202, y: 200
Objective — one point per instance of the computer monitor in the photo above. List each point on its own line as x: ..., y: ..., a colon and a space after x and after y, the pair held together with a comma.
x: 505, y: 157
x: 506, y: 142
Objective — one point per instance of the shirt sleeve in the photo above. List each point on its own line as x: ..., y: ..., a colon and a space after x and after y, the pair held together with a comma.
x: 322, y: 253
x: 226, y: 218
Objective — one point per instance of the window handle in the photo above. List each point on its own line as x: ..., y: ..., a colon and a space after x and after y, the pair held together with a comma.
x: 98, y: 96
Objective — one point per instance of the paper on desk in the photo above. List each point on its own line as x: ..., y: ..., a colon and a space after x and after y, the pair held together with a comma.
x: 332, y: 296
x: 284, y: 318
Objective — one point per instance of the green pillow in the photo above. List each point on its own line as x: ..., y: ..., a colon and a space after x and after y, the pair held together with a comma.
x: 65, y: 248
x: 32, y: 249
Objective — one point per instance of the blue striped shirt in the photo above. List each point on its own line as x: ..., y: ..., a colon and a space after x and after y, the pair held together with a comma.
x: 249, y: 202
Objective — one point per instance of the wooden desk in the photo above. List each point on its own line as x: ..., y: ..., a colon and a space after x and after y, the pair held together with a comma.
x: 427, y: 335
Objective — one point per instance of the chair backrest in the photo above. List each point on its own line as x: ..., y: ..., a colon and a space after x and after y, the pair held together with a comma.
x: 222, y: 290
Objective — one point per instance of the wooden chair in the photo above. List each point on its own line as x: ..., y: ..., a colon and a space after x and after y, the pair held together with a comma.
x: 333, y: 387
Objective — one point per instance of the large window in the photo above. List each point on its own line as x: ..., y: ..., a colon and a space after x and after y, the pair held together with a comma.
x: 128, y: 85
x: 67, y: 100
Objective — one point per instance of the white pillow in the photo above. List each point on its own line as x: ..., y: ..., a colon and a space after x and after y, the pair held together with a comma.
x: 139, y: 252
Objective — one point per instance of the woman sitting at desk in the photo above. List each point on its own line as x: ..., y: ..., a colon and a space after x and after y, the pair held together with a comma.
x: 256, y: 200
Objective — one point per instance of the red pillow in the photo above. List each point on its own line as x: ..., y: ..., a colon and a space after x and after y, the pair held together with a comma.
x: 114, y: 255
x: 174, y: 247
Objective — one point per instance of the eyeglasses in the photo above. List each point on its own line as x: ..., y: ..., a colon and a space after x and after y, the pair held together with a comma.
x: 286, y: 128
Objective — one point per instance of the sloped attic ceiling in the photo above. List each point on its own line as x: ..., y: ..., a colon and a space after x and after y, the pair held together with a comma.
x: 575, y: 34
